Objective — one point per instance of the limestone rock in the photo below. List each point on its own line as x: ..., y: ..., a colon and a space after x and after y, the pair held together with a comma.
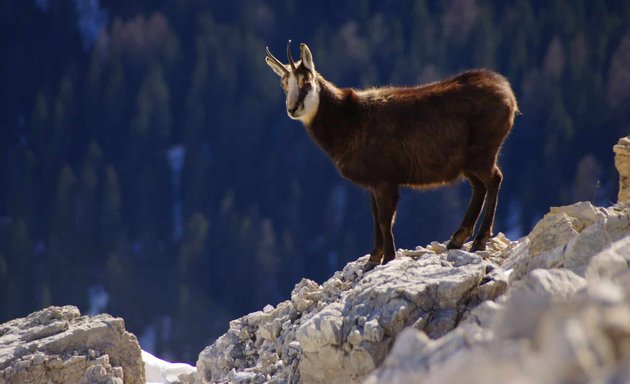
x: 334, y: 345
x: 568, y: 237
x: 550, y: 284
x: 622, y: 163
x: 552, y: 326
x: 609, y: 264
x: 342, y: 330
x: 436, y: 315
x: 58, y: 345
x: 581, y: 340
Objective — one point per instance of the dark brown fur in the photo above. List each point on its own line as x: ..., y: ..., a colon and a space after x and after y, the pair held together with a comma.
x: 419, y: 137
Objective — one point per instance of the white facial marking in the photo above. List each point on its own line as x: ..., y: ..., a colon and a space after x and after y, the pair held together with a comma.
x: 302, y: 110
x: 292, y: 92
x: 311, y: 102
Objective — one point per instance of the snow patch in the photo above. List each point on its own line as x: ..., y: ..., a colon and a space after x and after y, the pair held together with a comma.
x: 158, y: 371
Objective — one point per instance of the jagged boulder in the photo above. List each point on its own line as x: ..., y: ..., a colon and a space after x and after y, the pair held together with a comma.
x: 553, y: 326
x: 432, y: 307
x: 59, y: 346
x: 568, y: 237
x: 342, y: 330
x: 568, y: 322
x: 622, y: 163
x: 350, y: 337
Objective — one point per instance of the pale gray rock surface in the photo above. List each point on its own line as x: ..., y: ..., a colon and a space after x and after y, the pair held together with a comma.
x: 57, y: 345
x: 340, y: 331
x: 534, y: 335
x: 568, y: 237
x: 622, y: 163
x: 511, y: 313
x: 564, y: 319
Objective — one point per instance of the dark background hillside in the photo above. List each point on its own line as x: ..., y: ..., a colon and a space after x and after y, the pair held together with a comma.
x: 148, y: 168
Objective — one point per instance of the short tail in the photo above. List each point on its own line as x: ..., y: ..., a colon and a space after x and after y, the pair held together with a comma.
x: 513, y: 103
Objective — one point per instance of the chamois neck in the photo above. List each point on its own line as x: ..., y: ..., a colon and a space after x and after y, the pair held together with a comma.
x: 329, y: 127
x: 331, y: 99
x: 329, y: 91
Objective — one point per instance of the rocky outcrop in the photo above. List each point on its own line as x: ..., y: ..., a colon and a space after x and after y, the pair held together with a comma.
x: 565, y: 317
x: 351, y: 336
x: 340, y: 331
x: 436, y: 308
x: 57, y: 345
x: 568, y: 237
x: 553, y: 326
x: 622, y: 163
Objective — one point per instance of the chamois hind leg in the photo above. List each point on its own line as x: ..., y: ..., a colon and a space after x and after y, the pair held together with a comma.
x: 467, y: 225
x: 493, y: 184
x: 386, y: 200
x: 377, y: 253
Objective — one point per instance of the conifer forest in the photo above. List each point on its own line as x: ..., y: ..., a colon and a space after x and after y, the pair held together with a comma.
x: 148, y: 168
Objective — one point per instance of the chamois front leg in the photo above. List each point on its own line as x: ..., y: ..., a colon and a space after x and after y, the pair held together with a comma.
x: 376, y: 256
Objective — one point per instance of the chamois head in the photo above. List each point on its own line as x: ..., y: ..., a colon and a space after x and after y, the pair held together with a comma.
x: 299, y: 82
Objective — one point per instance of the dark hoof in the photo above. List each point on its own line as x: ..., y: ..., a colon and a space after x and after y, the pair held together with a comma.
x: 370, y: 265
x: 453, y: 245
x: 375, y: 257
x: 478, y: 246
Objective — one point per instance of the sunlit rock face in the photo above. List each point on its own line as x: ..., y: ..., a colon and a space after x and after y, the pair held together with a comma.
x: 436, y: 308
x: 622, y: 163
x: 552, y: 326
x: 58, y: 345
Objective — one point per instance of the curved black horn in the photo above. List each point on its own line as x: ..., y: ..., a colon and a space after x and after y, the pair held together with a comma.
x: 291, y: 62
x: 272, y: 57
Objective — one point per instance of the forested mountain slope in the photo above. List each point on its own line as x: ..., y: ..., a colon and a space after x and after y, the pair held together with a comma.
x: 144, y: 145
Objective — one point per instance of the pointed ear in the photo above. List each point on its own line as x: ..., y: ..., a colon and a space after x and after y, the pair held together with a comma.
x: 278, y: 68
x: 307, y: 58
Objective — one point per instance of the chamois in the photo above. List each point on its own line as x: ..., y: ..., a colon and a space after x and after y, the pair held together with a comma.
x: 420, y: 136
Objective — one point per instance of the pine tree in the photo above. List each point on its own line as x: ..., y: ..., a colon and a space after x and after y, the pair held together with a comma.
x: 586, y: 180
x: 191, y: 275
x: 20, y: 292
x: 152, y: 121
x: 112, y: 228
x: 22, y: 184
x: 4, y: 287
x: 87, y: 190
x: 192, y: 249
x: 268, y: 259
x: 64, y: 119
x: 63, y: 266
x: 40, y: 123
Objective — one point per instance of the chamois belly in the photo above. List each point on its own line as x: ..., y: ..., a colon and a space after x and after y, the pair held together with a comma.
x: 409, y: 169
